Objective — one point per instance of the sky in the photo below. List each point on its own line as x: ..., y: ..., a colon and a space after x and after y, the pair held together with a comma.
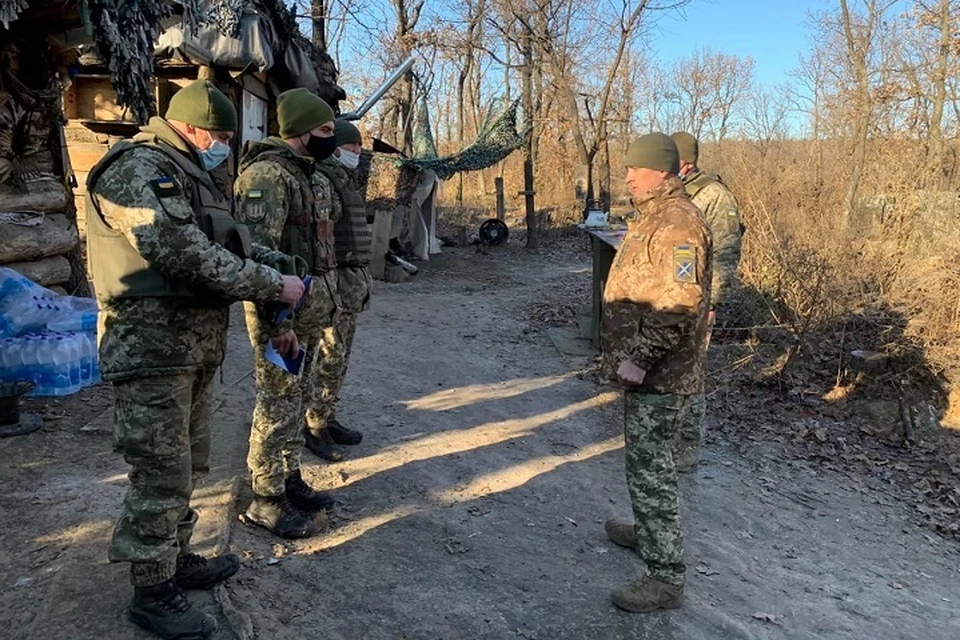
x: 774, y: 33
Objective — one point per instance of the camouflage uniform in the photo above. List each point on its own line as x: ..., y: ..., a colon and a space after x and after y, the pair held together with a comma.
x: 655, y: 316
x: 720, y: 209
x: 352, y: 243
x: 287, y: 202
x: 164, y: 288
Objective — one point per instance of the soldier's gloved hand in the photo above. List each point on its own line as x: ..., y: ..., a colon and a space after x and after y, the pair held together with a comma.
x: 630, y: 375
x: 292, y: 290
x: 286, y: 344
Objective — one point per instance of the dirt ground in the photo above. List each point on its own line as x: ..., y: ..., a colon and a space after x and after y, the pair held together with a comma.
x: 473, y: 507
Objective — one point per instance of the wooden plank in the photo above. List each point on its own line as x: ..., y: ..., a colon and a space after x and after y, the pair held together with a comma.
x: 84, y: 155
x: 96, y: 100
x: 382, y: 225
x: 254, y: 118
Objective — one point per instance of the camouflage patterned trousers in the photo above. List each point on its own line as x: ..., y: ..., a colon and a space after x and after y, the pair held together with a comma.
x: 276, y: 435
x: 691, y: 428
x: 651, y: 423
x: 353, y: 285
x: 162, y: 428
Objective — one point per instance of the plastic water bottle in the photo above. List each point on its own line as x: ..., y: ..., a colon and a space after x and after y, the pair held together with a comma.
x: 62, y: 365
x: 86, y: 365
x: 10, y: 365
x: 30, y: 363
x: 76, y: 354
x: 95, y: 377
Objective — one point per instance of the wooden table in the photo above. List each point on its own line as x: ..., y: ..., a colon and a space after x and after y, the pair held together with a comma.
x: 604, y: 243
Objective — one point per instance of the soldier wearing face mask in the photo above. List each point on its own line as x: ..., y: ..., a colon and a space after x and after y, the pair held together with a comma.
x: 288, y: 203
x: 353, y: 243
x: 167, y: 260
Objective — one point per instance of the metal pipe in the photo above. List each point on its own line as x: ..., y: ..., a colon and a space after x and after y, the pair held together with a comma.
x: 381, y: 90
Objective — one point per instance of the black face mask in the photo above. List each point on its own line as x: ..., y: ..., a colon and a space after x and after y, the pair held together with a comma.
x: 321, y: 148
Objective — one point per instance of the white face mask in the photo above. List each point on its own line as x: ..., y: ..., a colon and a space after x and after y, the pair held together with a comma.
x: 349, y: 159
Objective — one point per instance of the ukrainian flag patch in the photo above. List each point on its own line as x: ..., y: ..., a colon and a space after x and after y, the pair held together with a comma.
x: 255, y: 194
x: 165, y: 187
x: 685, y: 264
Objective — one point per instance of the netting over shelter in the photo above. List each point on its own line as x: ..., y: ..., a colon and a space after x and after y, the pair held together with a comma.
x: 499, y: 137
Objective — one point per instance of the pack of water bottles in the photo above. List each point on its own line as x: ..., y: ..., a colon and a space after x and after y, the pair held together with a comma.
x: 45, y: 338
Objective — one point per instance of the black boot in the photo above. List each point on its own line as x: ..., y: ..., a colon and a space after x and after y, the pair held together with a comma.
x: 277, y: 515
x: 164, y: 610
x: 197, y: 572
x: 323, y: 445
x: 341, y: 435
x: 304, y: 497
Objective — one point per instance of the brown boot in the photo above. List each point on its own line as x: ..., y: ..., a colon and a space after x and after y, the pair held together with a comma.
x: 621, y: 532
x: 647, y: 595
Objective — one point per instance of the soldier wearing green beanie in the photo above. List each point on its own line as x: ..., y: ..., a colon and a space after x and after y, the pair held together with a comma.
x: 167, y: 261
x: 353, y: 243
x: 288, y: 203
x: 722, y: 213
x: 654, y: 330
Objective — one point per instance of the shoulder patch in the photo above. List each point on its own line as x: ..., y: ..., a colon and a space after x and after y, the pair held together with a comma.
x: 165, y: 187
x: 254, y: 194
x: 685, y: 264
x: 252, y: 208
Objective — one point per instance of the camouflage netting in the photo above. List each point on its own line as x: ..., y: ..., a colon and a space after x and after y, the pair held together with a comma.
x: 125, y: 33
x: 499, y: 137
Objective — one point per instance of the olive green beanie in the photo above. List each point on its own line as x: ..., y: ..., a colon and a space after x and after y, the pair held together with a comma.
x: 654, y: 151
x: 204, y: 106
x: 688, y: 147
x: 347, y: 133
x: 299, y: 111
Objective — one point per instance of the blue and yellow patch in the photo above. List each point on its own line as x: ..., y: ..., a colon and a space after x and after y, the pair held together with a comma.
x: 685, y: 264
x: 165, y: 187
x: 254, y: 194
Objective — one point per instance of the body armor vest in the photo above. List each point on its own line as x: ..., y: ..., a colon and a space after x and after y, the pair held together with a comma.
x: 118, y: 270
x: 353, y: 238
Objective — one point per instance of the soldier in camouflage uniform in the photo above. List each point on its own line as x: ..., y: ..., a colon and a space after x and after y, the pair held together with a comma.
x: 654, y: 332
x: 353, y: 240
x: 167, y: 260
x: 287, y: 202
x: 719, y: 207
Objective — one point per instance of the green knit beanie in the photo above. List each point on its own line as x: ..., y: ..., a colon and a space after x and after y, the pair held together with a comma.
x: 347, y: 133
x: 654, y: 151
x: 299, y: 111
x: 688, y: 147
x: 204, y: 106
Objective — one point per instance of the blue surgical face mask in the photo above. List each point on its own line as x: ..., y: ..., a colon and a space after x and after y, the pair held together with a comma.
x: 214, y: 155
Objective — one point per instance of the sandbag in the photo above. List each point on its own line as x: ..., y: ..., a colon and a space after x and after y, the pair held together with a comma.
x: 44, y: 195
x: 54, y: 236
x: 46, y: 271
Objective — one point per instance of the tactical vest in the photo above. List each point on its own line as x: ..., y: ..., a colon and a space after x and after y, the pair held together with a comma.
x: 353, y: 238
x: 118, y: 270
x: 309, y: 235
x: 701, y: 180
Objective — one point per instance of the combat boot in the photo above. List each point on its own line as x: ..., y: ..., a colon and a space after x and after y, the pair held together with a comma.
x: 687, y: 455
x: 323, y: 445
x: 621, y: 532
x: 277, y: 515
x: 647, y: 595
x: 304, y: 497
x: 341, y: 434
x: 196, y: 572
x: 165, y: 610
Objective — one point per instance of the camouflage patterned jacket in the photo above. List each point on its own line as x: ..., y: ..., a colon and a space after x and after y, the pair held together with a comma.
x: 719, y: 207
x: 157, y: 335
x: 288, y: 204
x: 655, y: 303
